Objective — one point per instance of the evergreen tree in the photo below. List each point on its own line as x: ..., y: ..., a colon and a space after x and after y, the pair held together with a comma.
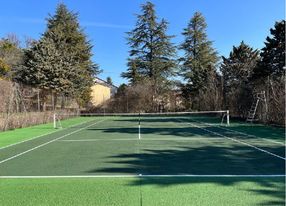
x: 237, y: 71
x: 44, y: 67
x: 273, y: 54
x: 61, y: 60
x: 65, y: 32
x: 132, y: 73
x: 238, y: 67
x: 199, y: 60
x: 152, y: 54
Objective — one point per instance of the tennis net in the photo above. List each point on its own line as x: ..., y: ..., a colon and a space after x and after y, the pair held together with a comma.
x: 210, y: 117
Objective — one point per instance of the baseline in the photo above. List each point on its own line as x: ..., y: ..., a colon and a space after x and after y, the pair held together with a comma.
x: 145, y: 139
x: 141, y: 175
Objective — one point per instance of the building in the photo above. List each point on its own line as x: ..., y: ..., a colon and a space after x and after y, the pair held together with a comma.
x: 101, y: 92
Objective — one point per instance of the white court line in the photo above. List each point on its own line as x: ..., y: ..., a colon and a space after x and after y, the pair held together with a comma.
x: 95, y: 140
x: 41, y: 145
x: 145, y: 139
x: 243, y: 133
x: 241, y: 142
x: 190, y: 175
x: 43, y: 135
x: 138, y: 175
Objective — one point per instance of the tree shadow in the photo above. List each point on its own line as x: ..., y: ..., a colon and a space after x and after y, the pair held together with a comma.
x: 270, y: 190
x: 275, y: 133
x: 166, y: 158
x: 224, y: 159
x: 171, y: 119
x: 203, y: 160
x: 258, y: 130
x: 233, y: 154
x: 188, y: 131
x: 158, y: 132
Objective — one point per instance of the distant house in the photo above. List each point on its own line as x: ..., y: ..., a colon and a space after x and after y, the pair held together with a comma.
x: 101, y: 92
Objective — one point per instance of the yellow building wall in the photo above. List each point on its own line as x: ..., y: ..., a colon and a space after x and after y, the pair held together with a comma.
x: 99, y: 94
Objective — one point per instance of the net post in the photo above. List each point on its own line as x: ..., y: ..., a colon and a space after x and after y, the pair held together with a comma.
x: 139, y: 126
x: 227, y: 117
x: 55, y: 120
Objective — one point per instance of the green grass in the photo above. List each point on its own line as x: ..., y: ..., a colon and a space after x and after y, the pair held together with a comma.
x: 151, y: 192
x: 22, y: 134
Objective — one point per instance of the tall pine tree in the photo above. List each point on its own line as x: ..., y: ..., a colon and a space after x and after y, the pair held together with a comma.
x: 152, y: 54
x: 61, y: 60
x: 198, y: 66
x: 273, y: 54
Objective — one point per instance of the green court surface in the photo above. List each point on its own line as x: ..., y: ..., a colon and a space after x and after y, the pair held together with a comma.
x: 168, y: 160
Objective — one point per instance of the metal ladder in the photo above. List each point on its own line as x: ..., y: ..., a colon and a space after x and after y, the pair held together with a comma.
x: 258, y: 97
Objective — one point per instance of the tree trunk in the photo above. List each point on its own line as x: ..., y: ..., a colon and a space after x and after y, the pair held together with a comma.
x: 9, y: 109
x: 38, y: 100
x: 63, y: 102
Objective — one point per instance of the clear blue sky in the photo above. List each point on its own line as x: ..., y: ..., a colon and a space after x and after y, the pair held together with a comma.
x: 106, y: 21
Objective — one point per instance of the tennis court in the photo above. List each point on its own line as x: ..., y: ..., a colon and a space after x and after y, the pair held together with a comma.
x: 163, y: 150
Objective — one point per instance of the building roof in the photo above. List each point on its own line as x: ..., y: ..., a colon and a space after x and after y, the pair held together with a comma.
x: 103, y: 82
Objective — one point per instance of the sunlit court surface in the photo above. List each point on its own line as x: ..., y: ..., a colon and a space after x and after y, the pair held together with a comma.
x: 154, y: 159
x: 142, y: 103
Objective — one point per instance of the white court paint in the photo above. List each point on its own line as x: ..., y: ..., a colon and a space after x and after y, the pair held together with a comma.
x: 145, y: 139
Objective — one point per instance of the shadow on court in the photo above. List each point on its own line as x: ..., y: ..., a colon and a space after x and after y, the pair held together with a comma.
x: 275, y: 133
x: 194, y: 130
x: 156, y: 131
x: 200, y: 159
x: 212, y: 157
x: 272, y: 190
